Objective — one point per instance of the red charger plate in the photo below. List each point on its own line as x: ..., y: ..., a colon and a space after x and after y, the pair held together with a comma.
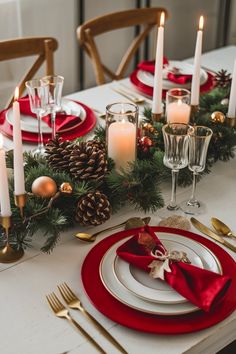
x: 85, y: 127
x: 141, y: 321
x: 148, y: 90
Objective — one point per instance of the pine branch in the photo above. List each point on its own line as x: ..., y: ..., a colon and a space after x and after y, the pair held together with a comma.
x: 100, y: 133
x: 54, y: 223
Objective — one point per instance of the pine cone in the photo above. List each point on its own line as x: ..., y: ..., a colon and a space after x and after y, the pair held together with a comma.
x: 222, y: 78
x: 97, y: 144
x: 58, y: 153
x: 88, y: 161
x: 93, y: 209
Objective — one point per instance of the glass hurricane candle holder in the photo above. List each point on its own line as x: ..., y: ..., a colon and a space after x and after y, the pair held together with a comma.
x: 178, y: 106
x: 121, y: 133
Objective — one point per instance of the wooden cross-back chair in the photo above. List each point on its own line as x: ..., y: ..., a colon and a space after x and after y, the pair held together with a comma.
x: 146, y: 17
x: 43, y: 47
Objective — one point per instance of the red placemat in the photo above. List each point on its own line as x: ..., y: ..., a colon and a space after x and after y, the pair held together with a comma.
x: 85, y: 127
x: 148, y: 90
x: 141, y: 321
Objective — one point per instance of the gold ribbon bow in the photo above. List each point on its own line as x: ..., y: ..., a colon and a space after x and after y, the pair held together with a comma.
x: 163, y: 261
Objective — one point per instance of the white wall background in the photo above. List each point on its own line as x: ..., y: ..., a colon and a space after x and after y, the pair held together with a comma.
x: 56, y: 18
x: 59, y: 18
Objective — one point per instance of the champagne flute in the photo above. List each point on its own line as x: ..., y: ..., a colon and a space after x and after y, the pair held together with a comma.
x: 54, y: 97
x: 176, y: 138
x: 199, y: 140
x: 38, y: 97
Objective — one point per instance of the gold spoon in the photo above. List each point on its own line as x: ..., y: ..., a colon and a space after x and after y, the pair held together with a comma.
x: 223, y: 229
x: 129, y: 224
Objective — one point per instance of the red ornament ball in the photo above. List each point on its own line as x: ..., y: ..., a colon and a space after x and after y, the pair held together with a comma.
x: 145, y: 143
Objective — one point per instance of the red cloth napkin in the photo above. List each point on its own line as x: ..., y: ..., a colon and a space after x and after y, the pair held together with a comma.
x: 201, y: 287
x: 149, y: 66
x: 179, y: 79
x: 63, y: 121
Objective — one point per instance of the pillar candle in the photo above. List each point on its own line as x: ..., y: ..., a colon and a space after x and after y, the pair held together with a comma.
x: 122, y: 143
x: 19, y: 180
x: 195, y: 89
x: 232, y: 98
x: 158, y: 75
x: 178, y: 112
x: 4, y: 190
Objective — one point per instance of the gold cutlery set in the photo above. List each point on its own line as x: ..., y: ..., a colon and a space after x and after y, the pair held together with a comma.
x: 129, y: 224
x: 221, y: 229
x: 73, y: 302
x: 128, y: 93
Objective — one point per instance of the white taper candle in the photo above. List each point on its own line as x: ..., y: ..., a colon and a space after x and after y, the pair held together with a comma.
x: 195, y: 88
x: 4, y: 189
x: 19, y: 178
x: 158, y: 75
x: 232, y: 98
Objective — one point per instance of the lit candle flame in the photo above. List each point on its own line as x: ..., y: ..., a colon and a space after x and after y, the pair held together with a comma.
x: 201, y: 23
x: 162, y: 19
x: 179, y: 102
x: 1, y: 141
x: 16, y: 93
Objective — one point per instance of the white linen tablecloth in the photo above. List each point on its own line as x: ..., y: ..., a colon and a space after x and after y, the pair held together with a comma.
x: 28, y: 326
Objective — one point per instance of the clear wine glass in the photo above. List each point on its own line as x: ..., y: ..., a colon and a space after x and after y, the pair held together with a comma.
x: 176, y: 138
x: 38, y: 97
x: 199, y: 140
x: 54, y: 97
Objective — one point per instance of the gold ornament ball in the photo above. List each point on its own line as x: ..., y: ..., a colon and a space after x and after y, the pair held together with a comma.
x: 44, y: 187
x: 217, y: 117
x: 66, y: 188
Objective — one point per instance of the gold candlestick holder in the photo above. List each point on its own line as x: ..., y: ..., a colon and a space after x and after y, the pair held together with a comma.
x: 193, y: 111
x: 231, y: 122
x: 20, y: 201
x: 156, y: 117
x: 8, y: 254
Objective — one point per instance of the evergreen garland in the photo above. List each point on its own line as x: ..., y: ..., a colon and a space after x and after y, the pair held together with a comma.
x: 139, y: 185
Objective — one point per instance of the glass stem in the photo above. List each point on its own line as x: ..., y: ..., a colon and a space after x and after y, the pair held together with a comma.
x: 173, y: 204
x: 53, y: 122
x: 193, y: 195
x: 40, y: 133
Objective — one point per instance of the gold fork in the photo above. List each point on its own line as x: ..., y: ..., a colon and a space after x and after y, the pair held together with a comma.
x: 73, y: 302
x: 134, y: 99
x: 61, y: 311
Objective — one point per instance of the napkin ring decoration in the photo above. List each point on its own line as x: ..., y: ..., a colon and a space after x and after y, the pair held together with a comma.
x: 163, y: 259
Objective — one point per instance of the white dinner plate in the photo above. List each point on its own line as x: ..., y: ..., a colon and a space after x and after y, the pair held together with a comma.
x: 30, y: 124
x: 147, y: 78
x: 127, y: 297
x: 141, y: 284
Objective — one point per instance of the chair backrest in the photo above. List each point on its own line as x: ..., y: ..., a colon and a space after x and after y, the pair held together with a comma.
x: 146, y: 17
x: 42, y: 47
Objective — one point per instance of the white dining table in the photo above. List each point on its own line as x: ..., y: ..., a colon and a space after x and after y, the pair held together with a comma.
x: 28, y: 326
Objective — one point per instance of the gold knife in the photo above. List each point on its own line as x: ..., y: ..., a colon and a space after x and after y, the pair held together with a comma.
x: 205, y: 230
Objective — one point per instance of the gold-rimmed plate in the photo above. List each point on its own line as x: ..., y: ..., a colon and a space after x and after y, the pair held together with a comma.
x: 30, y: 124
x: 124, y: 295
x: 141, y: 284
